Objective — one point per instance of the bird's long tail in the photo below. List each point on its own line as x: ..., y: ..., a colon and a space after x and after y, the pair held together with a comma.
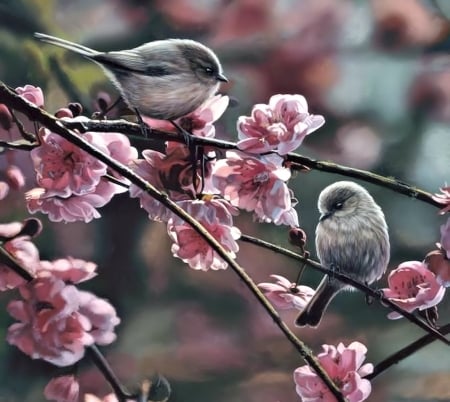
x: 313, y: 312
x: 74, y: 47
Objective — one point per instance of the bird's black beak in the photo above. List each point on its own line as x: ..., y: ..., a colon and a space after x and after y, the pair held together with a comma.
x: 221, y: 77
x: 324, y: 216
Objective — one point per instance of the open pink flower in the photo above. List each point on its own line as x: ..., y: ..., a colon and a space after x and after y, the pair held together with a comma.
x: 281, y: 125
x: 64, y: 168
x: 190, y: 247
x: 413, y: 286
x: 286, y: 295
x: 70, y: 270
x: 345, y: 367
x: 445, y: 237
x: 256, y: 184
x: 50, y: 326
x: 102, y: 316
x: 72, y: 208
x: 62, y: 389
x: 443, y: 198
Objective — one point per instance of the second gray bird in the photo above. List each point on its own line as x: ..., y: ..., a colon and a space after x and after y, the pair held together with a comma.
x: 351, y: 238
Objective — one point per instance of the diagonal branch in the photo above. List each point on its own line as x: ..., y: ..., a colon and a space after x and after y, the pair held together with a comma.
x: 34, y: 113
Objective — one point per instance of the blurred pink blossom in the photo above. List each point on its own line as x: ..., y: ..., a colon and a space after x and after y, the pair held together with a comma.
x: 443, y: 198
x: 4, y: 190
x: 102, y: 315
x: 108, y: 398
x: 438, y: 263
x: 286, y: 295
x: 281, y: 125
x: 413, y: 286
x: 64, y: 168
x: 22, y: 249
x: 74, y: 207
x: 70, y: 270
x: 345, y: 367
x: 15, y: 177
x: 49, y: 327
x: 32, y: 94
x: 445, y: 237
x: 256, y: 184
x: 190, y: 247
x: 62, y: 389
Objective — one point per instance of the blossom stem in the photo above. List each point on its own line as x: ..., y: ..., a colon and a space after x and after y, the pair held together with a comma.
x: 34, y: 113
x: 298, y: 161
x: 405, y: 352
x: 9, y: 260
x: 350, y: 281
x: 102, y: 364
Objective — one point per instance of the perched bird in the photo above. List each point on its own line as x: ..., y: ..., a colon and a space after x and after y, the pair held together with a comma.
x: 352, y: 239
x: 163, y: 79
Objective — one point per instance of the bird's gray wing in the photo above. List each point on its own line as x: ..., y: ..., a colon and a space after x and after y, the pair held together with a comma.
x: 132, y: 61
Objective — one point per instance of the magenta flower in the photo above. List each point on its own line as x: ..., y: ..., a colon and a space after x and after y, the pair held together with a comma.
x: 256, y: 184
x: 345, y: 367
x: 413, y: 286
x: 281, y: 125
x: 190, y: 247
x: 22, y: 249
x: 443, y: 198
x: 49, y: 327
x: 445, y: 237
x: 62, y: 389
x: 65, y: 169
x: 286, y: 295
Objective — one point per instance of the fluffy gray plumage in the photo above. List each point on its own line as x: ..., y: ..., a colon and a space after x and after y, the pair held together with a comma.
x: 163, y: 79
x: 351, y: 237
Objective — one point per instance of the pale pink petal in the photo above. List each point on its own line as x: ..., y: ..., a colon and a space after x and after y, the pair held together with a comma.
x: 62, y: 389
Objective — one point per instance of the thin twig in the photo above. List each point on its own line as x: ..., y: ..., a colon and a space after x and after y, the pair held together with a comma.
x: 405, y: 352
x: 350, y: 281
x: 34, y: 113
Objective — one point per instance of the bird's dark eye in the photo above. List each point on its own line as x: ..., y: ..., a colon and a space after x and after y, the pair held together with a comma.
x: 338, y: 205
x: 209, y: 70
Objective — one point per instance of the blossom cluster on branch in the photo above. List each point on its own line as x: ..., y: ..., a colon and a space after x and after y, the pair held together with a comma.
x: 56, y: 321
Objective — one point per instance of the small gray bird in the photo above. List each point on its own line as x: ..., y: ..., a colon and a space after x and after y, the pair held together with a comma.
x: 163, y: 79
x: 351, y: 238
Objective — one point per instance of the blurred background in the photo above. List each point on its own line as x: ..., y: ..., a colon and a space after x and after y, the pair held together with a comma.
x: 378, y: 71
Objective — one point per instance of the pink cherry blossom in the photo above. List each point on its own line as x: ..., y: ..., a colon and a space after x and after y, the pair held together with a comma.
x: 445, y: 237
x: 190, y: 247
x: 286, y: 295
x: 438, y: 263
x: 256, y: 184
x: 200, y: 122
x: 32, y: 94
x: 443, y: 198
x: 50, y: 326
x: 344, y: 366
x: 102, y: 316
x: 64, y: 168
x: 72, y: 208
x: 15, y: 177
x: 62, y: 389
x: 22, y: 249
x: 281, y: 125
x: 70, y: 270
x: 413, y: 286
x: 171, y: 173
